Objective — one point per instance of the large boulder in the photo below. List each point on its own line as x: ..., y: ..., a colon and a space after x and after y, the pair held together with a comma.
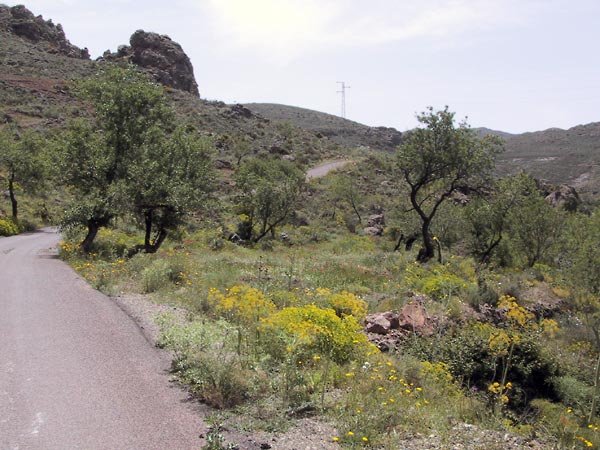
x: 162, y: 57
x: 45, y: 34
x: 375, y: 225
x: 564, y: 197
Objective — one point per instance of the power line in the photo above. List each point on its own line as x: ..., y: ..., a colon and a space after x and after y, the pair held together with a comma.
x: 343, y: 92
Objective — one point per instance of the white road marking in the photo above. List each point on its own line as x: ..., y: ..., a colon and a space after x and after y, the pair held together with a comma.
x: 37, y: 423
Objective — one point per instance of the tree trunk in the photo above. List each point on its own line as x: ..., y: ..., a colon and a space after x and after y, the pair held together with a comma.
x: 488, y: 253
x: 148, y: 215
x: 153, y: 246
x: 13, y: 198
x: 93, y: 225
x: 86, y: 244
x: 353, y: 204
x: 150, y: 245
x: 428, y: 250
x: 400, y: 239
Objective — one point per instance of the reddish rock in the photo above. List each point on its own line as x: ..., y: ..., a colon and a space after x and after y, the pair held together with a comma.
x: 413, y: 317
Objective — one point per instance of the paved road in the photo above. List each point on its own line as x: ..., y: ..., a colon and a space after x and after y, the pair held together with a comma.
x: 75, y: 371
x: 323, y: 169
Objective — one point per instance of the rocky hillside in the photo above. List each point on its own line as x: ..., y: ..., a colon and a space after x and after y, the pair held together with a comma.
x: 559, y: 156
x: 556, y: 156
x: 44, y: 33
x: 345, y: 132
x: 37, y: 62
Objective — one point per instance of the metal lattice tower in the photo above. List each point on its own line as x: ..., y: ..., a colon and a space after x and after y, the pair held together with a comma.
x: 343, y: 92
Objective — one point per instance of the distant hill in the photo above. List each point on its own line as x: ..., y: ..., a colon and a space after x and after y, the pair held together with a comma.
x: 345, y: 132
x: 559, y: 156
x: 482, y: 132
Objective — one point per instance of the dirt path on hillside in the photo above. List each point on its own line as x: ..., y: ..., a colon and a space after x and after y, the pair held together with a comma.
x: 75, y: 370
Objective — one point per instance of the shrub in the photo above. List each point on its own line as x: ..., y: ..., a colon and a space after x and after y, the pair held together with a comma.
x: 348, y: 304
x: 440, y: 281
x: 439, y: 286
x: 385, y: 397
x: 243, y: 305
x: 8, y: 227
x: 478, y: 354
x: 159, y: 274
x: 206, y: 358
x: 309, y: 330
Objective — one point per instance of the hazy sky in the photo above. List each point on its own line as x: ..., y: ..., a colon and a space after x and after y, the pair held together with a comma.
x: 511, y: 65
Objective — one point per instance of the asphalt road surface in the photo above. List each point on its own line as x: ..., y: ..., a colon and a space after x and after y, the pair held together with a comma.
x: 323, y: 169
x: 75, y: 371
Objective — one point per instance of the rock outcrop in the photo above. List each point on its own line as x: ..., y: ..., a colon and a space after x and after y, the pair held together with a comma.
x: 387, y: 329
x: 44, y: 33
x: 375, y: 225
x: 162, y: 57
x: 564, y: 197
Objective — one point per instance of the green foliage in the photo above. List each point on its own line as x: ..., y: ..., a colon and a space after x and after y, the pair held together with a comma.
x: 132, y: 158
x: 489, y: 218
x: 536, y: 229
x: 171, y: 178
x: 344, y: 190
x: 159, y: 274
x: 439, y: 159
x: 215, y: 439
x: 268, y: 191
x: 479, y: 355
x: 22, y: 159
x: 386, y: 398
x: 582, y: 259
x: 566, y: 425
x: 206, y: 358
x: 439, y: 281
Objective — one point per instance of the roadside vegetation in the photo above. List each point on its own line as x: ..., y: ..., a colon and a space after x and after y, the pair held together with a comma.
x: 279, y: 275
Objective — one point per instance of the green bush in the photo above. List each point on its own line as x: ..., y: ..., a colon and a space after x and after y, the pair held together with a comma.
x: 466, y: 352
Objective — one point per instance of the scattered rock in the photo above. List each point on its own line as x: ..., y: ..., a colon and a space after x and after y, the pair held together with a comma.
x: 375, y: 220
x: 382, y: 323
x: 223, y: 164
x: 542, y: 301
x: 242, y: 111
x: 414, y: 318
x: 373, y: 231
x: 375, y: 225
